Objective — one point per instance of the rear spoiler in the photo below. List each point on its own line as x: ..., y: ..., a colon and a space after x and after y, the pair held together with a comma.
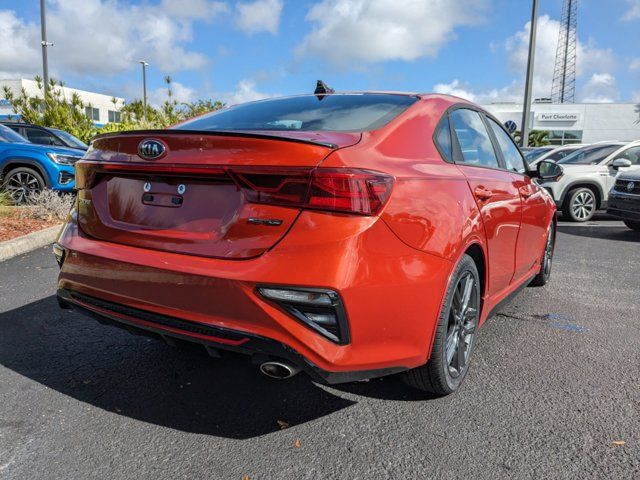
x: 219, y: 133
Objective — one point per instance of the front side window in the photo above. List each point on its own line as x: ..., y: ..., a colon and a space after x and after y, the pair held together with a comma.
x: 70, y: 139
x: 511, y: 154
x: 334, y: 112
x: 474, y: 140
x: 632, y: 154
x: 41, y: 137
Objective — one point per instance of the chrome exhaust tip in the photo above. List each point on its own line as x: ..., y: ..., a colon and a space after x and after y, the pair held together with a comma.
x: 279, y: 369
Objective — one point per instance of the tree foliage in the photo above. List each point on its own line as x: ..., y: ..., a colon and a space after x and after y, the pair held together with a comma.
x: 537, y: 138
x: 54, y: 109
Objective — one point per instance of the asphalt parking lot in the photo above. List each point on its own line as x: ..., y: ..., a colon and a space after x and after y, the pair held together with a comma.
x: 553, y: 392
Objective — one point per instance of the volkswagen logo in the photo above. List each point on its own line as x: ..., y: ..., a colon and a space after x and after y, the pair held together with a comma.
x: 151, y: 149
x: 631, y: 186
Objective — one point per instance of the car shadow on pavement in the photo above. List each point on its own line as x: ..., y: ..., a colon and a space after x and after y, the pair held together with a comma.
x: 147, y: 380
x: 620, y: 233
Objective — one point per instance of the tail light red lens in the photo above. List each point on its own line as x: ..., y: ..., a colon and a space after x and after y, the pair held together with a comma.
x: 353, y: 191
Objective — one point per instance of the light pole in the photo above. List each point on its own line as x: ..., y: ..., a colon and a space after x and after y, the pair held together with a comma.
x: 45, y: 45
x: 144, y: 88
x: 526, y: 108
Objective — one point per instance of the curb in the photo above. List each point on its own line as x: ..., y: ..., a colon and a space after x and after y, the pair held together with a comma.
x: 27, y: 243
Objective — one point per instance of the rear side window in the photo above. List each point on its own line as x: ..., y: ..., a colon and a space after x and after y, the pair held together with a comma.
x: 511, y: 154
x: 443, y: 138
x: 474, y: 140
x: 334, y: 112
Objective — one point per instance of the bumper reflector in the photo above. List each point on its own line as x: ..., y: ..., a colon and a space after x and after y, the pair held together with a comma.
x: 59, y: 253
x: 320, y: 309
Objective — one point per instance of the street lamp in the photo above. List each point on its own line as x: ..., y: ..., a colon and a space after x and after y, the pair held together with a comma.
x: 526, y: 108
x: 144, y: 88
x: 45, y: 44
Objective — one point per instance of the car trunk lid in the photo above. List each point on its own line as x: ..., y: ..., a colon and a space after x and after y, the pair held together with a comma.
x: 188, y: 200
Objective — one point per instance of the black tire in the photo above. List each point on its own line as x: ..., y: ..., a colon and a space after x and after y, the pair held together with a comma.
x: 20, y: 182
x: 580, y: 205
x: 542, y: 278
x: 439, y: 375
x: 633, y: 225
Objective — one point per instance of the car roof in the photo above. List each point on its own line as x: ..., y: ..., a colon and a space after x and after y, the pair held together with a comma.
x: 22, y: 124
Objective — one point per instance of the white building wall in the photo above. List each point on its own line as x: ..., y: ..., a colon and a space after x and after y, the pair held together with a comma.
x: 97, y: 100
x: 597, y: 121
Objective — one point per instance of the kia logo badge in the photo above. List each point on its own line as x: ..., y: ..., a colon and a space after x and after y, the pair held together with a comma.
x: 151, y: 149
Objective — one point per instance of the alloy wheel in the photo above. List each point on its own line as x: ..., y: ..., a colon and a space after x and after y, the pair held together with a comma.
x: 21, y: 185
x: 583, y: 205
x: 463, y: 321
x: 548, y: 253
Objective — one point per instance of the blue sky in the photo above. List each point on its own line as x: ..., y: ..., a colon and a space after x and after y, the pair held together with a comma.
x: 237, y: 51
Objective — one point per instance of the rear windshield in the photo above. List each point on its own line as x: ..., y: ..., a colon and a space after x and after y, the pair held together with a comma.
x: 589, y: 155
x: 336, y: 112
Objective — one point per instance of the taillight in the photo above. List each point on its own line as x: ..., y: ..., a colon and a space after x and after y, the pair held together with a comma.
x: 347, y: 190
x: 354, y: 191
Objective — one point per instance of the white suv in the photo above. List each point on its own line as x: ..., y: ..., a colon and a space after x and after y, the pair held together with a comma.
x: 589, y: 174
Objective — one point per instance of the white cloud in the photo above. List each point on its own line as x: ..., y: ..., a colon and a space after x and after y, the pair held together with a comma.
x: 348, y: 31
x: 591, y: 60
x: 246, y: 91
x: 601, y: 88
x: 107, y: 36
x: 636, y: 96
x: 635, y: 64
x: 634, y: 11
x: 456, y: 89
x: 259, y: 16
x: 18, y: 41
x: 193, y: 9
x: 510, y: 93
x: 180, y: 93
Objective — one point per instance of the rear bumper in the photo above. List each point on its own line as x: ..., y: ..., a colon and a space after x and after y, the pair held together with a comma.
x: 391, y: 292
x: 259, y: 348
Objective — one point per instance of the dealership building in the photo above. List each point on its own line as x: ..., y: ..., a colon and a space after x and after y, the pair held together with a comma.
x: 98, y: 107
x: 576, y: 122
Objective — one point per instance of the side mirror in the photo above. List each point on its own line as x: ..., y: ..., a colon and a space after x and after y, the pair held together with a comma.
x: 549, y: 171
x: 621, y: 162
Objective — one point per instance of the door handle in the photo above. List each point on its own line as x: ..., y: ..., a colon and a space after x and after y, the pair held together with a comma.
x: 526, y: 192
x: 482, y: 193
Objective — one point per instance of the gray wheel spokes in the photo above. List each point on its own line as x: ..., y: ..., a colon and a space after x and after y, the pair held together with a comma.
x: 583, y: 205
x: 462, y: 324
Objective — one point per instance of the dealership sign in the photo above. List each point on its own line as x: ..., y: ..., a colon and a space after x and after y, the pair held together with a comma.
x: 558, y: 117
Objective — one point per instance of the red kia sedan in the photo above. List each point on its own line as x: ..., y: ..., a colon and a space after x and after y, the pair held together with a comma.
x: 347, y: 235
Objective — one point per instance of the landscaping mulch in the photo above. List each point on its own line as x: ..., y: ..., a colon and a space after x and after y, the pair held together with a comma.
x: 15, y: 222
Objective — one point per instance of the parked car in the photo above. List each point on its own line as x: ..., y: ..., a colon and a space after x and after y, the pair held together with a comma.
x: 624, y: 199
x: 347, y: 235
x: 531, y: 153
x: 46, y: 135
x: 589, y: 174
x: 26, y: 168
x: 555, y: 153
